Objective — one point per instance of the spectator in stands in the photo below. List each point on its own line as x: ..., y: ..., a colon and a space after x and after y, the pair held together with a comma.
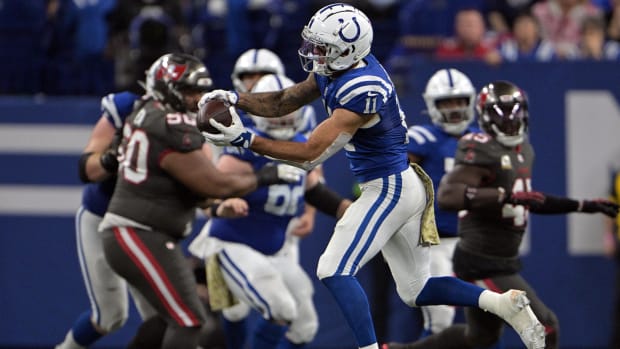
x: 561, y: 22
x: 526, y: 44
x: 59, y: 46
x: 503, y: 13
x: 612, y: 18
x: 257, y: 24
x: 91, y: 39
x: 149, y: 29
x: 593, y: 44
x: 471, y: 41
x: 77, y: 32
x: 423, y: 24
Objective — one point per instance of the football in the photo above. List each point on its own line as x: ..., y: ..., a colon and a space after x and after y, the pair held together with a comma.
x: 213, y: 109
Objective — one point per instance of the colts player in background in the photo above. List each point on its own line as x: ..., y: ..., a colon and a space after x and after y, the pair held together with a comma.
x: 490, y: 185
x: 249, y: 68
x: 107, y: 292
x: 449, y: 96
x: 366, y: 120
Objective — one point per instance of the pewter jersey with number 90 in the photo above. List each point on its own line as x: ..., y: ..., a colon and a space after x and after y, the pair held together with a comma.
x: 497, y: 231
x: 145, y: 193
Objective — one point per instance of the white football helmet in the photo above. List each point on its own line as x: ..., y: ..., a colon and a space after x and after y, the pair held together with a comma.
x: 450, y: 84
x: 254, y: 60
x: 337, y: 36
x: 284, y: 127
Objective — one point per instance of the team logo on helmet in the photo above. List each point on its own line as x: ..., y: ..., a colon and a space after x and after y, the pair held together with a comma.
x: 357, y: 33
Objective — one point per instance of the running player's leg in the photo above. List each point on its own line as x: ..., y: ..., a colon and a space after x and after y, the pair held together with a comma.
x: 409, y: 263
x: 384, y: 206
x: 438, y: 317
x: 154, y: 264
x: 304, y: 327
x: 254, y: 280
x: 235, y: 325
x: 546, y: 316
x: 107, y: 292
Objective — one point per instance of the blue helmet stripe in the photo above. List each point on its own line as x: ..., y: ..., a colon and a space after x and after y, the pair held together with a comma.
x: 255, y: 58
x: 450, y: 80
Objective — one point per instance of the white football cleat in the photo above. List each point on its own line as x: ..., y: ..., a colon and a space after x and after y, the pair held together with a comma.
x: 515, y: 310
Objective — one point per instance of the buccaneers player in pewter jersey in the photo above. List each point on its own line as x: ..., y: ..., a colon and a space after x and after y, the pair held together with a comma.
x: 163, y: 174
x: 491, y: 187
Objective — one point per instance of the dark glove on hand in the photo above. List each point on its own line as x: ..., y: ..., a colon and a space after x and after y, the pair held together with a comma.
x: 278, y: 174
x: 109, y: 161
x: 526, y: 198
x: 605, y: 207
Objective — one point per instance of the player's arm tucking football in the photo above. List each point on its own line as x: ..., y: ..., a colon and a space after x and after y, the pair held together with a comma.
x: 460, y: 189
x: 282, y: 102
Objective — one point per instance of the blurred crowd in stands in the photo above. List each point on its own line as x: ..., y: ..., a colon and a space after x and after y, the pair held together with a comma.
x: 92, y: 47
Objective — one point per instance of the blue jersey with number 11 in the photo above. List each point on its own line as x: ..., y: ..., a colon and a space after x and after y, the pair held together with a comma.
x: 378, y: 148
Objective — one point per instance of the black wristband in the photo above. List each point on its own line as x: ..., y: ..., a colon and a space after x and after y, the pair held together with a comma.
x: 214, y: 207
x: 109, y: 162
x: 324, y: 199
x: 82, y: 167
x: 267, y: 175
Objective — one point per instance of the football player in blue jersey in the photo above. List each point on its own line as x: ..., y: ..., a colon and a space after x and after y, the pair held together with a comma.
x: 256, y: 261
x: 396, y: 199
x: 249, y: 68
x: 107, y: 292
x: 449, y: 98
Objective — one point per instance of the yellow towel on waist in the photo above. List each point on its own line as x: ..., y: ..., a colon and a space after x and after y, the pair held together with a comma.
x: 220, y: 296
x: 428, y: 228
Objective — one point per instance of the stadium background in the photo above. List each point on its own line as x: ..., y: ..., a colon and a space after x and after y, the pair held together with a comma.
x: 575, y: 118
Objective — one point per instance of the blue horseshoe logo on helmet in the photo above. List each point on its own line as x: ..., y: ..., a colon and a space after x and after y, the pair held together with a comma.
x: 355, y: 37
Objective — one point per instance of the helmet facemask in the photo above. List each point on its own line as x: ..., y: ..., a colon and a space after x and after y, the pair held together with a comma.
x: 503, y: 110
x: 449, y: 97
x: 453, y: 119
x: 507, y: 122
x: 281, y: 128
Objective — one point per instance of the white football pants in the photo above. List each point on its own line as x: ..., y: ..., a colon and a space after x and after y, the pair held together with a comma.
x: 386, y: 217
x: 274, y: 285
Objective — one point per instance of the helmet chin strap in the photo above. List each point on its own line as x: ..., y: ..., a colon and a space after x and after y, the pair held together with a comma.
x: 509, y: 141
x: 455, y: 129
